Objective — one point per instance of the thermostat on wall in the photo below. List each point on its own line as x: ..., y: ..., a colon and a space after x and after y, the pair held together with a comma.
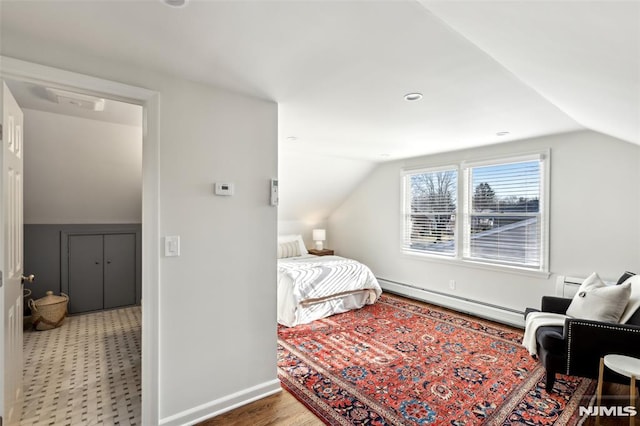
x: 224, y: 189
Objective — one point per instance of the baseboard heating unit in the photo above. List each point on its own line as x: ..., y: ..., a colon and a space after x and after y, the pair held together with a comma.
x: 473, y: 307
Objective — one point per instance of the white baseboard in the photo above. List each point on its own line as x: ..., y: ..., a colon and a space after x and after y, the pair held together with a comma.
x: 222, y: 405
x: 479, y: 309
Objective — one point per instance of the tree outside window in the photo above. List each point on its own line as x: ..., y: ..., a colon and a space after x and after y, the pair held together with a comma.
x: 433, y: 206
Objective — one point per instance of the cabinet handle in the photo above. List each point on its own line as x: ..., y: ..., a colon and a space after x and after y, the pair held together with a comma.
x: 108, y: 262
x: 97, y: 263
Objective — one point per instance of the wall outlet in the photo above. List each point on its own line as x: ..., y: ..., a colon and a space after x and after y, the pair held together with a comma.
x: 452, y: 284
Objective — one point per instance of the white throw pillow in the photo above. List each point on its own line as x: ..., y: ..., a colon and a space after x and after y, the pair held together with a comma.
x: 294, y: 237
x: 634, y: 299
x: 597, y: 301
x: 288, y: 249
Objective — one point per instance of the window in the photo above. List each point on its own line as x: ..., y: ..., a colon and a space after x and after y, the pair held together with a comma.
x: 430, y: 211
x: 504, y: 221
x: 501, y: 212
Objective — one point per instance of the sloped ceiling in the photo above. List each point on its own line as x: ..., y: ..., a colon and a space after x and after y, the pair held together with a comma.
x: 583, y: 57
x: 339, y: 70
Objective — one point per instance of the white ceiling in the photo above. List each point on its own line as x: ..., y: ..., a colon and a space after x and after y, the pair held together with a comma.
x: 583, y: 57
x: 339, y: 70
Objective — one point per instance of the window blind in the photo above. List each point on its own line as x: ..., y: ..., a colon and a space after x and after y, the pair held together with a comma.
x: 430, y: 211
x: 503, y: 220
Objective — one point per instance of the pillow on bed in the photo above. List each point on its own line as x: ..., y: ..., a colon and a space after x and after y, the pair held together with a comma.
x: 292, y: 238
x: 288, y: 249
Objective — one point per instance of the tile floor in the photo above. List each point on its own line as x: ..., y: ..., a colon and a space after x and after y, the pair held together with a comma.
x: 86, y: 372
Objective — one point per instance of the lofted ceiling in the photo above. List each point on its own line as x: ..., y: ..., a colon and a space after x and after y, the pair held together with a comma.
x: 581, y: 56
x: 339, y: 69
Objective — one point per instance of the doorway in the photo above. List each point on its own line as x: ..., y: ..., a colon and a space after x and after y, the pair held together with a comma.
x: 28, y: 72
x: 83, y: 187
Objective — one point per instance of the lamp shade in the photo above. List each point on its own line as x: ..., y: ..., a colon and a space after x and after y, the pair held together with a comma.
x: 319, y: 235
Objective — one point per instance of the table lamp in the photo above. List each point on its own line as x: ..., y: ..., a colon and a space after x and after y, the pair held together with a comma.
x: 319, y: 235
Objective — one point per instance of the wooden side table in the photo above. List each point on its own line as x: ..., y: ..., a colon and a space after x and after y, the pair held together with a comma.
x: 626, y: 366
x: 323, y: 252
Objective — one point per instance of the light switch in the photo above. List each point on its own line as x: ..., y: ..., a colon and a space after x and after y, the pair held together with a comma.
x: 172, y: 246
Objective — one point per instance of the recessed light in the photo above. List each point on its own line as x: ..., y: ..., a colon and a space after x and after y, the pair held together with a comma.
x: 413, y: 96
x: 175, y: 3
x: 502, y: 133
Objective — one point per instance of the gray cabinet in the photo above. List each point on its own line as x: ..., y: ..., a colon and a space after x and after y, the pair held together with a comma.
x: 101, y: 271
x: 119, y: 270
x: 86, y: 281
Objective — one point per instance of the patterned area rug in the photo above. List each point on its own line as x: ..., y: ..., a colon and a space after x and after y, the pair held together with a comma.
x: 401, y: 362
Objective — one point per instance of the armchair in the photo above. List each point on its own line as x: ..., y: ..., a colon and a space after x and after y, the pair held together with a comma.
x: 576, y: 348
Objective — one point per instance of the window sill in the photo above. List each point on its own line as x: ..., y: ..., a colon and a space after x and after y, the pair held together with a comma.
x: 475, y: 264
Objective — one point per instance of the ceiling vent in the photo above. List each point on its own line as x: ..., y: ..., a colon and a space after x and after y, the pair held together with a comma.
x: 76, y: 99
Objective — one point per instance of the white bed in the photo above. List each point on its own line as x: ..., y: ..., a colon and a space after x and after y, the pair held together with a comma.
x: 313, y: 287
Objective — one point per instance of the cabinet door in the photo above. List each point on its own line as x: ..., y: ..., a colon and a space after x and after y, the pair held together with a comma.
x: 85, y: 273
x: 119, y: 270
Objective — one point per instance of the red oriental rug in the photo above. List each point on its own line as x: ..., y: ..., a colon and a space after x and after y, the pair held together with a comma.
x: 401, y: 362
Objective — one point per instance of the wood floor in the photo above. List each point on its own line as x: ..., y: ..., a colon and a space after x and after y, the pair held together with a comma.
x: 283, y: 409
x: 279, y: 409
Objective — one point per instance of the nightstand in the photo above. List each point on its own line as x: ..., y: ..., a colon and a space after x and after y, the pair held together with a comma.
x: 323, y: 252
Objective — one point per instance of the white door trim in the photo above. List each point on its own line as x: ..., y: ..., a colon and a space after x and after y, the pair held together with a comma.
x: 16, y: 69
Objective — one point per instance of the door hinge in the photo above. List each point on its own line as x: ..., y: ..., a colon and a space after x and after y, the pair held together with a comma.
x: 0, y: 286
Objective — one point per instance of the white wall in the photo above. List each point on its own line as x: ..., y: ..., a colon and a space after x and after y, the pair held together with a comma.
x: 594, y: 217
x: 217, y: 300
x: 218, y: 328
x: 287, y: 227
x: 311, y: 187
x: 81, y: 171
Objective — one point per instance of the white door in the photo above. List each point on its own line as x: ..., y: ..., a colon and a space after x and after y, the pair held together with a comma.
x: 11, y: 263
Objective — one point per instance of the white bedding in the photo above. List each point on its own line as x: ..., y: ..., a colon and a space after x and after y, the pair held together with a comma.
x: 314, y: 287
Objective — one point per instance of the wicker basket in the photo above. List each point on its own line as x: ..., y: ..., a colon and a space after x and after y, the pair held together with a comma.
x: 48, y: 312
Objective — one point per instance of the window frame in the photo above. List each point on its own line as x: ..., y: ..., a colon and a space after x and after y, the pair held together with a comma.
x: 462, y: 212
